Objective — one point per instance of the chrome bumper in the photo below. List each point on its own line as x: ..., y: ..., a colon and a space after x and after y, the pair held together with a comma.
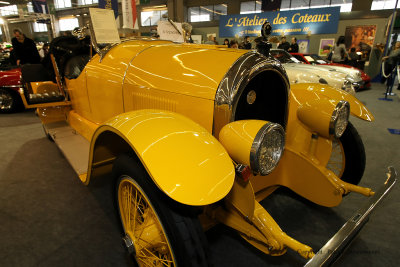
x: 333, y: 248
x: 358, y: 85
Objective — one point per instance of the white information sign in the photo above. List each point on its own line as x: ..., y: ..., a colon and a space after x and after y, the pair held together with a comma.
x: 197, y: 38
x: 167, y: 31
x: 104, y: 26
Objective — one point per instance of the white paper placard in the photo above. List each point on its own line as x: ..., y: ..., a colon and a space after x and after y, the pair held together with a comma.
x: 167, y: 32
x: 104, y: 26
x: 197, y: 38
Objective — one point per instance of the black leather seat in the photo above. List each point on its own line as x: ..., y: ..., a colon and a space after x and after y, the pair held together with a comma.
x: 38, y: 73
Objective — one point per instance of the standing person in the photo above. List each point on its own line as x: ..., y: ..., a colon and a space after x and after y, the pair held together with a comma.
x: 25, y: 48
x: 283, y: 44
x: 339, y: 54
x: 44, y: 50
x: 210, y: 40
x: 234, y: 44
x: 215, y: 40
x: 390, y: 63
x: 294, y: 47
x: 247, y: 43
x: 353, y: 57
x: 226, y: 42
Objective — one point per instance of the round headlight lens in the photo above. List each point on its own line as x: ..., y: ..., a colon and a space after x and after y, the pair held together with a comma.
x: 339, y: 119
x: 267, y: 148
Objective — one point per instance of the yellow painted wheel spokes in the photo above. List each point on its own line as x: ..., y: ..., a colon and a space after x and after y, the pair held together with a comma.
x: 143, y: 226
x: 337, y: 161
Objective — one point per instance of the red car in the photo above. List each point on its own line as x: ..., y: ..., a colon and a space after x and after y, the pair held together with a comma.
x: 10, y: 82
x: 12, y: 79
x: 315, y: 59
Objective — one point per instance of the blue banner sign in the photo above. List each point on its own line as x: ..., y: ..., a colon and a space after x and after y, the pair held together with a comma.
x: 301, y: 21
x: 109, y: 4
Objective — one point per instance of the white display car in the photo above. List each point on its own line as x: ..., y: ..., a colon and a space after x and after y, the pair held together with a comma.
x: 339, y: 77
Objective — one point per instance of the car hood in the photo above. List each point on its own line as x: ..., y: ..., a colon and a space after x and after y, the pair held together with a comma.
x: 188, y: 69
x: 354, y: 73
x: 305, y: 73
x: 317, y: 69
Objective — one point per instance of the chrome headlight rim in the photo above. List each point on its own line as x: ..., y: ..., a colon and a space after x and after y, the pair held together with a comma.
x: 342, y: 106
x: 348, y: 86
x: 346, y: 83
x: 256, y: 147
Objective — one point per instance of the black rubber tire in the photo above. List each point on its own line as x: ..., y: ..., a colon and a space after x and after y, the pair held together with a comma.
x: 180, y: 222
x: 354, y: 155
x: 15, y: 101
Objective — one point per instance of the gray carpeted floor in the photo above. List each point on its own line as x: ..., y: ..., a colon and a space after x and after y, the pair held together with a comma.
x: 48, y: 218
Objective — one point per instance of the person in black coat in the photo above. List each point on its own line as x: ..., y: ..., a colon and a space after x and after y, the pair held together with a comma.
x: 24, y: 48
x: 283, y: 44
x: 247, y: 43
x: 294, y: 47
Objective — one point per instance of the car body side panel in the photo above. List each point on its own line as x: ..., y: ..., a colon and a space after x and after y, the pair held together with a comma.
x: 105, y: 78
x: 145, y: 68
x: 198, y: 109
x: 183, y: 159
x: 78, y: 94
x: 10, y: 77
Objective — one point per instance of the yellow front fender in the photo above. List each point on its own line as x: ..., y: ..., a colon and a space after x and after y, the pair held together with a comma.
x: 184, y: 160
x: 308, y: 155
x: 303, y: 93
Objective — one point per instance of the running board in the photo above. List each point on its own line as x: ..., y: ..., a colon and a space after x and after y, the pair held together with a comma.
x: 74, y: 147
x: 332, y: 250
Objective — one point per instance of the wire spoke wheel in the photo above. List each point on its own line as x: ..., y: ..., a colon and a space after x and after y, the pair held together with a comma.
x: 157, y: 230
x: 337, y: 161
x: 143, y: 226
x: 6, y: 100
x: 347, y: 159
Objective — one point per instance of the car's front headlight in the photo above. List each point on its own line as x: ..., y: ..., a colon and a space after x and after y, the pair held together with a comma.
x: 258, y: 144
x: 324, y: 117
x: 339, y: 119
x: 267, y: 148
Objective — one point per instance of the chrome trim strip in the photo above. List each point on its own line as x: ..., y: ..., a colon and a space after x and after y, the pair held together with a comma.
x: 234, y: 82
x: 333, y: 248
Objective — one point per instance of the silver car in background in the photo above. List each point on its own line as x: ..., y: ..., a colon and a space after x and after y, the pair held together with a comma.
x: 338, y: 77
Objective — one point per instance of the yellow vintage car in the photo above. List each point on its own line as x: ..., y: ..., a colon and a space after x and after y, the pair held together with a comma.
x: 197, y: 135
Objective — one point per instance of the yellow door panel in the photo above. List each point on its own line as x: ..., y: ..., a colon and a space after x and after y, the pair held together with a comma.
x: 78, y: 94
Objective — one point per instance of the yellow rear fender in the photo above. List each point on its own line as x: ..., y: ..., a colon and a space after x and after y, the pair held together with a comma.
x: 303, y: 93
x: 184, y: 160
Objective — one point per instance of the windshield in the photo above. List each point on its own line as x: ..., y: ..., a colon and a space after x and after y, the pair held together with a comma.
x: 283, y: 56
